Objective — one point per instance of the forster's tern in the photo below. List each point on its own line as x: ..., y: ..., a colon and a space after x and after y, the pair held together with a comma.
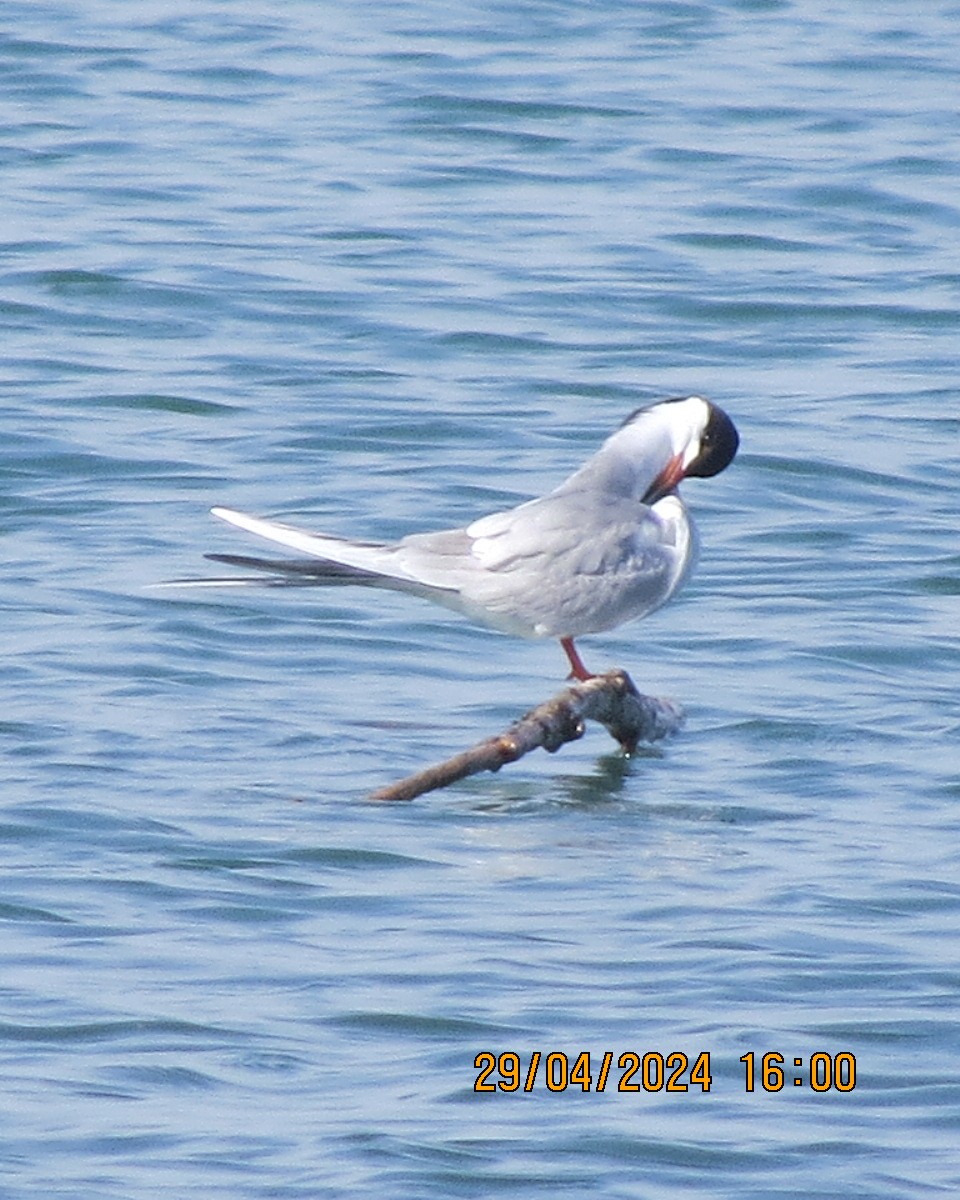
x: 609, y: 545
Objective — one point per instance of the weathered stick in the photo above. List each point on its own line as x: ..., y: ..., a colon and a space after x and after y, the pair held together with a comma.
x: 612, y: 699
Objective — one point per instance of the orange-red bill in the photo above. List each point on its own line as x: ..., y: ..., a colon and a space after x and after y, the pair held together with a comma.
x: 666, y: 481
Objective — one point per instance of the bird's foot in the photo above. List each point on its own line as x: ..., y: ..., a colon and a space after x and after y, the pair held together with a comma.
x: 577, y: 670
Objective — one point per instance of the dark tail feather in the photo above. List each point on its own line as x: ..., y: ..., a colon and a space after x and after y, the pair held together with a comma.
x: 299, y: 572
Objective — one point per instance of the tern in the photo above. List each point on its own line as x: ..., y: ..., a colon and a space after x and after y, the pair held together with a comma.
x: 611, y: 544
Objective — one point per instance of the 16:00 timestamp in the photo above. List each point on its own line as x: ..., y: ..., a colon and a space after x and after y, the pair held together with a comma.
x: 820, y: 1073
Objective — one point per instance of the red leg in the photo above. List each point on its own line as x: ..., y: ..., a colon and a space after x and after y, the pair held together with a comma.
x: 577, y: 669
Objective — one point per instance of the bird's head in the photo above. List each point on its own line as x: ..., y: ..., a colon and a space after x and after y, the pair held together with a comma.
x: 680, y: 437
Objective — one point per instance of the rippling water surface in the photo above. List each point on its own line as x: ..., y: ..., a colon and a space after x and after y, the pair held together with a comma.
x: 384, y: 267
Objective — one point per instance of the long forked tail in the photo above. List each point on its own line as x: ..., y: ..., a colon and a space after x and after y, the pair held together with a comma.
x: 331, y: 560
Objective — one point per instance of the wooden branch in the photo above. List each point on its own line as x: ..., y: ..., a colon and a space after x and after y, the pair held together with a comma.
x: 612, y: 699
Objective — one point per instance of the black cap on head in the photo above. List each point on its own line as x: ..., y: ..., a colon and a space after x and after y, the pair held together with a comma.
x: 718, y: 445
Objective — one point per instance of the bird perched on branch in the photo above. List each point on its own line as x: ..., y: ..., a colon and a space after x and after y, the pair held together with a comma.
x: 610, y: 544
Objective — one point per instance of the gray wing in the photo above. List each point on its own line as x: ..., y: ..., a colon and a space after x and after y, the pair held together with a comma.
x: 574, y: 562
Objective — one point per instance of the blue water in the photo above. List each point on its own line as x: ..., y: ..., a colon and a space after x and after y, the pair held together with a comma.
x: 385, y: 267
